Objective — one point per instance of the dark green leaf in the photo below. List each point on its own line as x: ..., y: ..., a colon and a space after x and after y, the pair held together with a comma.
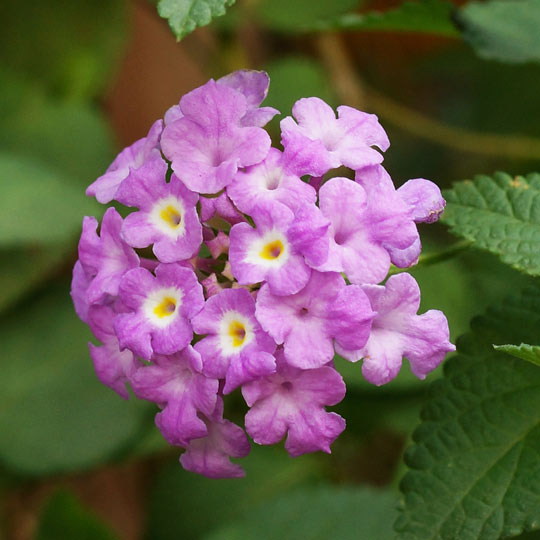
x: 65, y: 518
x: 186, y: 15
x: 317, y: 514
x: 424, y: 16
x: 70, y: 47
x: 500, y: 214
x: 504, y: 30
x: 474, y: 466
x: 55, y: 415
x: 178, y: 495
x: 38, y: 205
x: 531, y: 353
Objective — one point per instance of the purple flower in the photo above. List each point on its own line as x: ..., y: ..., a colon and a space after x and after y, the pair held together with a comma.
x: 280, y: 249
x: 114, y: 368
x: 210, y: 455
x: 167, y: 214
x: 346, y: 140
x: 292, y: 402
x: 308, y: 322
x: 218, y: 245
x: 211, y: 285
x: 253, y: 85
x: 364, y: 226
x: 177, y: 386
x: 236, y: 347
x: 270, y: 181
x: 397, y: 331
x: 209, y: 142
x: 106, y: 257
x: 422, y: 199
x: 220, y: 206
x: 159, y: 309
x: 79, y: 285
x: 425, y: 199
x: 131, y: 158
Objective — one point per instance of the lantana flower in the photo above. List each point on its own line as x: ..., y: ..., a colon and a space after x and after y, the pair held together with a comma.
x: 243, y: 268
x: 235, y: 348
x: 167, y: 217
x: 209, y: 143
x: 158, y: 309
x: 292, y: 402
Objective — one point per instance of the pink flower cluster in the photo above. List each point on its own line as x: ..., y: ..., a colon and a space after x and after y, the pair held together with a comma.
x: 243, y: 266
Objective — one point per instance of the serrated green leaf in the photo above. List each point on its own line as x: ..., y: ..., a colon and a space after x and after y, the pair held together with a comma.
x: 504, y: 30
x: 531, y: 353
x: 186, y: 15
x: 500, y: 214
x: 66, y: 518
x: 317, y: 513
x: 474, y: 468
x: 38, y: 205
x: 55, y: 415
x: 424, y: 16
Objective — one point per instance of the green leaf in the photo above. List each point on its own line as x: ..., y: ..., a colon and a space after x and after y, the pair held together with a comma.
x: 55, y: 415
x: 317, y: 514
x: 178, y: 495
x: 285, y: 15
x: 531, y: 353
x: 186, y: 15
x: 69, y: 137
x: 504, y: 30
x: 474, y: 465
x: 38, y: 205
x: 500, y: 214
x: 71, y: 48
x: 64, y: 517
x: 23, y: 269
x: 424, y: 16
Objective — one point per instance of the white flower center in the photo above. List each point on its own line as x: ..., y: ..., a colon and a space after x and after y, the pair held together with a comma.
x: 167, y: 216
x: 271, y: 250
x: 235, y: 332
x: 161, y: 306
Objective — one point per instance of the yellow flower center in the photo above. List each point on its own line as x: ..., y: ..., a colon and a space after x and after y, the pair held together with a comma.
x: 272, y: 250
x: 171, y: 216
x: 166, y: 307
x: 237, y: 331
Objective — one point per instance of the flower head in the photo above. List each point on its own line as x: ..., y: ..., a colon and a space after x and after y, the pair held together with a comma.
x: 243, y: 267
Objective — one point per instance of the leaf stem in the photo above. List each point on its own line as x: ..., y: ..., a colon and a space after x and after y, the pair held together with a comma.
x: 353, y: 91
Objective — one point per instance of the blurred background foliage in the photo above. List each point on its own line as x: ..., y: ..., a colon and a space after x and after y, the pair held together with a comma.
x: 78, y: 81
